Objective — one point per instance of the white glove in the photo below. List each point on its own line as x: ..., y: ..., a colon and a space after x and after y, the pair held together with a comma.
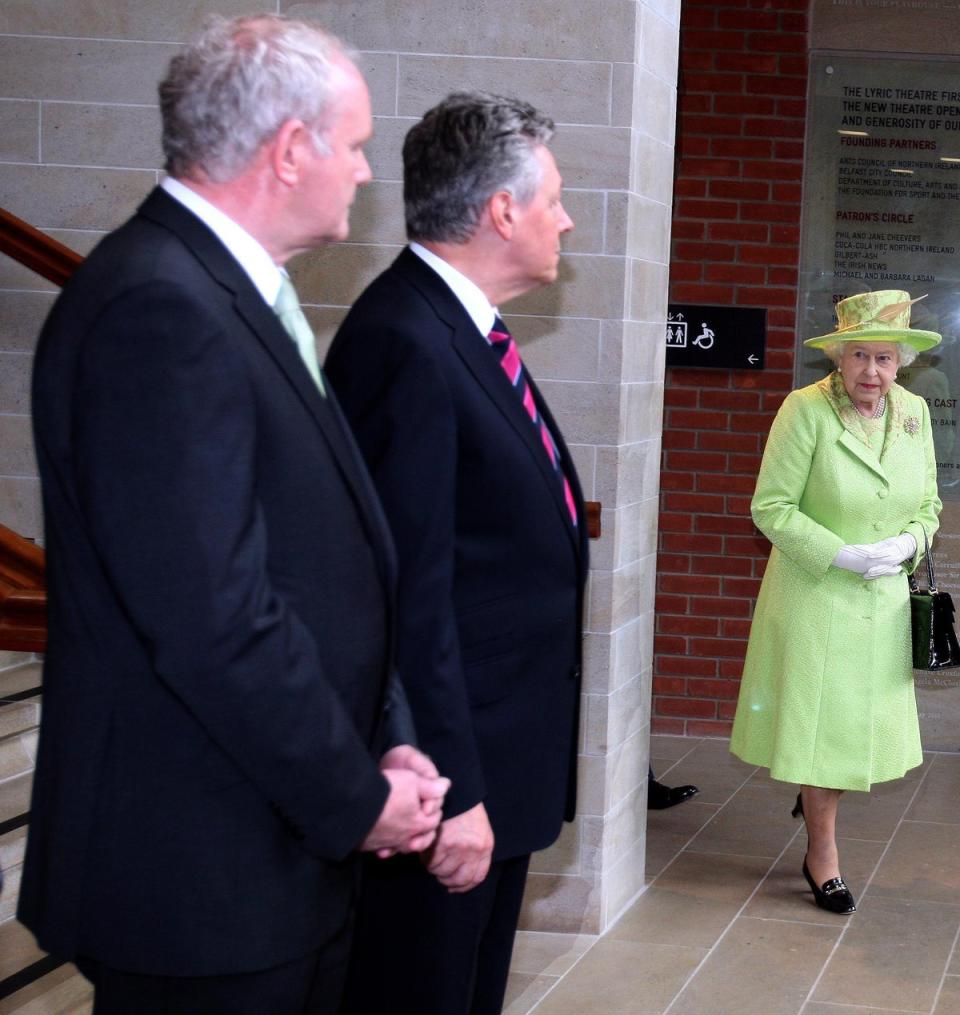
x: 874, y: 560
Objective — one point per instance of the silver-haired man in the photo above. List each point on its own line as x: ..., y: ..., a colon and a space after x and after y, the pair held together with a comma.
x: 216, y: 741
x: 484, y: 503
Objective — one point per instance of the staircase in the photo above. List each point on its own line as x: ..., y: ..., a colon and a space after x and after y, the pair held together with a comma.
x: 31, y: 982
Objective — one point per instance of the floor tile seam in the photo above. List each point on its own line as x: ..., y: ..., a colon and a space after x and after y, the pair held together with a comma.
x: 566, y: 973
x: 535, y: 977
x: 713, y: 852
x: 696, y: 970
x: 946, y: 967
x: 881, y: 893
x: 784, y: 919
x: 920, y: 821
x: 673, y: 763
x: 711, y: 819
x: 710, y: 852
x: 670, y: 863
x: 559, y: 933
x: 849, y: 923
x: 18, y: 775
x: 696, y: 741
x: 840, y: 1006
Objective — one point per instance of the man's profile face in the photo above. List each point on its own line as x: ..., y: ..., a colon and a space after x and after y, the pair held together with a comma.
x: 540, y: 224
x: 333, y: 177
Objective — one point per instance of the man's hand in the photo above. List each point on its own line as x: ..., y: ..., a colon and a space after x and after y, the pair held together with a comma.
x: 408, y: 757
x: 410, y: 817
x: 460, y: 857
x: 405, y: 756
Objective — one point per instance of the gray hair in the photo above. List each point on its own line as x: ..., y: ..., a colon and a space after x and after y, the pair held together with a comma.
x: 462, y: 152
x: 237, y: 84
x: 906, y: 352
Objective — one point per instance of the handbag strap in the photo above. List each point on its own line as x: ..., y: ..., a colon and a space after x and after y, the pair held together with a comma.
x: 931, y: 577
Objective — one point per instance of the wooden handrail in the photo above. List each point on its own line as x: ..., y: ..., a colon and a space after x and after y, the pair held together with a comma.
x: 593, y: 518
x: 23, y: 595
x: 40, y: 253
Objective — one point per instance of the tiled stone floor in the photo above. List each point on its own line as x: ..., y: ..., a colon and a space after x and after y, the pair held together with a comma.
x: 727, y: 924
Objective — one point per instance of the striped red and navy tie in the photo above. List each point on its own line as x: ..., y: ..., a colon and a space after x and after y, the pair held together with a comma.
x: 502, y: 343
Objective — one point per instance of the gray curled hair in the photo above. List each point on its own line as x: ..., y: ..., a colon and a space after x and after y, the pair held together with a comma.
x: 233, y: 88
x: 907, y: 352
x: 462, y: 152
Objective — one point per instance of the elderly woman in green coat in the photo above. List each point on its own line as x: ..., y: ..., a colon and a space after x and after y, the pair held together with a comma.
x: 846, y: 492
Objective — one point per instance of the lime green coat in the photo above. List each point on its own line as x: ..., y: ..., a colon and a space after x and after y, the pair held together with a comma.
x: 827, y: 695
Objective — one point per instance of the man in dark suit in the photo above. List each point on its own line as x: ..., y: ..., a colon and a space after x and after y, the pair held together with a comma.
x: 221, y: 577
x: 486, y: 511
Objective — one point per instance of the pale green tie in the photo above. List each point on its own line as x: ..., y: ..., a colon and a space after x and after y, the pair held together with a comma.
x: 287, y: 308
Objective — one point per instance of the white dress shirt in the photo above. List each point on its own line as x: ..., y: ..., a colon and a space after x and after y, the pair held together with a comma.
x: 249, y: 253
x: 474, y: 302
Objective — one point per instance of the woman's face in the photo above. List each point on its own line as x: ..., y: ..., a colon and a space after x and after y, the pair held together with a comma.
x: 868, y: 369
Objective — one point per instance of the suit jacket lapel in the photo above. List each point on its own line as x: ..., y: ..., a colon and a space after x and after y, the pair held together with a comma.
x: 325, y: 410
x: 249, y: 304
x: 264, y: 324
x: 481, y: 361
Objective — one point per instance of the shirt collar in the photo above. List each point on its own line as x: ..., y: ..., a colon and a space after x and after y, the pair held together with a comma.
x: 248, y: 252
x: 471, y: 297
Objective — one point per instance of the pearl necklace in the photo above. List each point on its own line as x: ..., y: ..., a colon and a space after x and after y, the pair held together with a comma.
x: 881, y: 405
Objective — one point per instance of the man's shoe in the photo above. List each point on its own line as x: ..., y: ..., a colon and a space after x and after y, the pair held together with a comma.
x: 660, y: 797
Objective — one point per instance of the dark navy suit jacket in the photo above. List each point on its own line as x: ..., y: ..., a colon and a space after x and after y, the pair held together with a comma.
x: 221, y: 596
x: 491, y: 567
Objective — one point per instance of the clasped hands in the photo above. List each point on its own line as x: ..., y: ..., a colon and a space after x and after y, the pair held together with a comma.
x: 456, y: 851
x: 874, y: 560
x: 411, y: 816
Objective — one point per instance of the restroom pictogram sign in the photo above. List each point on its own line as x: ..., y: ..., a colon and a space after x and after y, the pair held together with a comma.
x: 730, y: 338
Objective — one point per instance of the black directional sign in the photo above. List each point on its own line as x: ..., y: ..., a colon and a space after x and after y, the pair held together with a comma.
x: 732, y: 338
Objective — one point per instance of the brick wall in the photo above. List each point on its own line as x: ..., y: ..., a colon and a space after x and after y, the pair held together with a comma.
x: 736, y: 231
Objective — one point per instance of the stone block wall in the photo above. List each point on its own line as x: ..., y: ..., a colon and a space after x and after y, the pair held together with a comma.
x: 80, y: 149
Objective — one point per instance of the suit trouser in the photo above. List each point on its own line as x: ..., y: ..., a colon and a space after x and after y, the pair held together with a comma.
x: 421, y: 950
x: 312, y: 985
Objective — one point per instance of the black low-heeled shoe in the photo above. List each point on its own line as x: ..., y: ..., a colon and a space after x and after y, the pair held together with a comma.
x: 797, y: 811
x: 832, y: 895
x: 660, y: 797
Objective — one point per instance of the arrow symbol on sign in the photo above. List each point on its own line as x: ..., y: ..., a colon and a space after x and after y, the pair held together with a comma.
x: 751, y: 358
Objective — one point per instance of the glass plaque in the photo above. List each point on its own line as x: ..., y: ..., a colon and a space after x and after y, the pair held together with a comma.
x: 882, y: 211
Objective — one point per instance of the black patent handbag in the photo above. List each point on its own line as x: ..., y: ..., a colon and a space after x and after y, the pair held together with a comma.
x: 935, y: 644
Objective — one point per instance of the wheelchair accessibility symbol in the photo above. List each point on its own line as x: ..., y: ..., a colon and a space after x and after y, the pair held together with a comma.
x: 705, y: 338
